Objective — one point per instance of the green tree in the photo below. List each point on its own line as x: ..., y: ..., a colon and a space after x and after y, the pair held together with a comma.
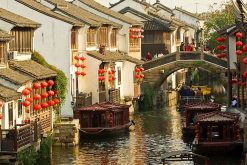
x: 216, y: 20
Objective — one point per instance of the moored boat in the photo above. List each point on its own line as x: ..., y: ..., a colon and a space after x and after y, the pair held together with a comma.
x: 217, y: 132
x: 191, y: 110
x: 103, y: 119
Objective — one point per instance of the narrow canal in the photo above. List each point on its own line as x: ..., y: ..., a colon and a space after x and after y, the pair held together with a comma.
x: 155, y: 132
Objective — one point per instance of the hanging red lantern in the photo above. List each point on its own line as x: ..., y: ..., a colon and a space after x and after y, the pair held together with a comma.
x: 109, y: 72
x: 142, y: 36
x: 44, y: 84
x: 44, y: 95
x: 83, y: 73
x: 239, y: 43
x: 51, y: 93
x: 36, y: 97
x: 30, y: 89
x: 110, y: 79
x: 37, y: 107
x: 239, y: 35
x: 221, y: 55
x: 221, y: 47
x: 245, y: 48
x: 137, y: 76
x: 82, y: 58
x: 113, y: 70
x: 50, y: 83
x: 56, y: 101
x: 142, y: 69
x: 245, y: 60
x: 83, y: 66
x: 239, y: 52
x: 142, y: 76
x: 137, y: 70
x: 243, y: 84
x: 113, y: 78
x: 51, y: 102
x: 234, y: 81
x: 26, y: 103
x: 77, y: 57
x: 99, y: 78
x: 36, y: 86
x: 44, y: 105
x: 221, y: 39
x: 27, y: 120
x: 25, y: 92
x: 1, y: 116
x: 77, y: 65
x: 27, y: 110
x: 245, y: 74
x: 29, y: 99
x: 77, y: 73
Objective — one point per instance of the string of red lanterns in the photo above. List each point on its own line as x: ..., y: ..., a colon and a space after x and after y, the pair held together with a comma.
x: 139, y: 76
x: 80, y: 65
x: 111, y: 75
x: 221, y: 48
x: 101, y: 75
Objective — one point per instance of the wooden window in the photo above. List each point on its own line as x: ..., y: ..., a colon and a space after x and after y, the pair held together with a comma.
x: 3, y: 51
x: 178, y: 34
x: 23, y: 40
x: 103, y: 36
x: 74, y: 44
x: 134, y: 42
x: 10, y: 108
x: 20, y: 108
x: 149, y: 37
x: 114, y: 38
x: 91, y: 37
x: 119, y: 75
x: 167, y: 40
x: 158, y: 37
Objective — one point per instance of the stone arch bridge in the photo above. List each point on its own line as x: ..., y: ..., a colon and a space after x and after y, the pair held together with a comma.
x: 157, y: 70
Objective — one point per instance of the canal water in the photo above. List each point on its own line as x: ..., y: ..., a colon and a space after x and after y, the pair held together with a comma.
x: 155, y: 133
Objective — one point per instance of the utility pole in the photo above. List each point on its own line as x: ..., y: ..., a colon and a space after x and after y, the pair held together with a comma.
x: 196, y: 6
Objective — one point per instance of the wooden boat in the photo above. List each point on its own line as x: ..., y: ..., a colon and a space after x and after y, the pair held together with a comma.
x: 217, y: 132
x: 103, y: 119
x: 191, y: 110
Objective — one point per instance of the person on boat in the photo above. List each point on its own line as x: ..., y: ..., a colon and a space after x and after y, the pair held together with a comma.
x: 199, y: 92
x: 234, y: 102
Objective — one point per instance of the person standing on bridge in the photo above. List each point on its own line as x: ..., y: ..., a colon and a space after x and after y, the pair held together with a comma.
x: 188, y: 47
x: 166, y: 51
x: 149, y: 56
x: 182, y: 46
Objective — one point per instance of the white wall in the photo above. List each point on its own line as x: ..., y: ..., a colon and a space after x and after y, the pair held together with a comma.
x: 52, y: 40
x: 128, y: 78
x: 139, y: 7
x: 232, y: 51
x: 185, y: 17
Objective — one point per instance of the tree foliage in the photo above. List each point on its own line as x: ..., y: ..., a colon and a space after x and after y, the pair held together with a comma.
x: 216, y: 20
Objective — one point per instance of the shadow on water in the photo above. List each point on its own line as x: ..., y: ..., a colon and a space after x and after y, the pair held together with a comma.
x: 155, y: 132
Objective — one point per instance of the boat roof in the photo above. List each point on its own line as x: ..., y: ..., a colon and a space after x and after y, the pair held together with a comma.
x: 105, y: 106
x: 203, y: 106
x: 217, y: 116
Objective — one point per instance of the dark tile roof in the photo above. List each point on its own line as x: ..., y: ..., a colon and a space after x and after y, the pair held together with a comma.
x: 80, y: 14
x: 159, y: 5
x: 4, y: 36
x: 114, y: 57
x: 15, y: 76
x: 227, y: 29
x: 7, y: 94
x: 103, y: 9
x: 203, y: 106
x: 17, y: 20
x: 32, y: 69
x: 47, y: 11
x: 217, y: 116
x: 156, y: 25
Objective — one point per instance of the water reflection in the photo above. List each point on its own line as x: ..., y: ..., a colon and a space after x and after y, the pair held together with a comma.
x: 155, y: 133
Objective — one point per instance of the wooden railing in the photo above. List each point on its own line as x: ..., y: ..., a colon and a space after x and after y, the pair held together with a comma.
x: 185, y: 56
x: 82, y: 100
x: 102, y: 96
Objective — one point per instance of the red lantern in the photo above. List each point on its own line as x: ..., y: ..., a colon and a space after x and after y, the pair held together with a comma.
x: 36, y: 86
x: 44, y: 105
x: 243, y: 84
x: 27, y: 111
x: 82, y: 58
x: 44, y: 84
x: 113, y: 78
x: 137, y: 76
x: 109, y: 72
x: 25, y: 92
x: 26, y: 120
x: 137, y: 70
x: 221, y: 47
x: 233, y: 81
x: 37, y: 107
x: 142, y: 76
x: 77, y: 73
x: 221, y: 39
x: 83, y: 66
x: 239, y: 52
x: 51, y: 93
x: 44, y: 95
x: 245, y: 60
x: 77, y: 57
x: 51, y: 102
x: 83, y: 73
x: 113, y: 70
x: 29, y: 99
x: 245, y: 48
x: 56, y: 101
x: 77, y: 65
x: 239, y: 35
x: 36, y: 97
x: 103, y: 78
x: 245, y: 74
x: 99, y: 79
x: 110, y: 79
x: 26, y: 103
x: 142, y: 69
x: 222, y: 55
x: 239, y: 43
x: 1, y: 116
x: 30, y: 89
x: 50, y: 83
